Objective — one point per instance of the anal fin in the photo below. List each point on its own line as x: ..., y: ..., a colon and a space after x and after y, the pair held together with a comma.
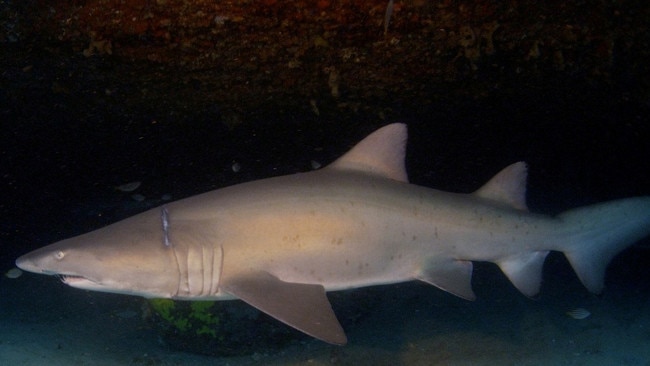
x: 302, y: 306
x: 525, y: 271
x: 453, y: 276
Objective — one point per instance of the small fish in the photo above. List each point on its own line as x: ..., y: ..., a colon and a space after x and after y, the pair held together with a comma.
x: 129, y: 187
x: 578, y: 313
x: 14, y: 273
x: 138, y: 197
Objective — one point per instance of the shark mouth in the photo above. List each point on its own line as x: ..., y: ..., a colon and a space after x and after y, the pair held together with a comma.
x: 69, y: 278
x: 79, y: 281
x: 85, y: 283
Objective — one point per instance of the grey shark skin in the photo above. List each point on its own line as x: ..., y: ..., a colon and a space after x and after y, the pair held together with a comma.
x: 280, y: 243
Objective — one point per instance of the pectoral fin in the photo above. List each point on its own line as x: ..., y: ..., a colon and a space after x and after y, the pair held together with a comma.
x: 302, y: 306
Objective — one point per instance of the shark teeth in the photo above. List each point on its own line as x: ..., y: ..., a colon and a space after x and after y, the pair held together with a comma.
x: 69, y: 278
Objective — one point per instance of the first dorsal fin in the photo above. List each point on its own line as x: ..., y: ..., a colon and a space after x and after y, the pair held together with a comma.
x: 508, y: 186
x: 382, y: 153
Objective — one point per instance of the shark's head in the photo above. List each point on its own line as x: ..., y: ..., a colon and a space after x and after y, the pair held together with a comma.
x: 134, y: 256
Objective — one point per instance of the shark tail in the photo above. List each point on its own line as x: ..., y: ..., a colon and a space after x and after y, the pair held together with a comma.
x: 597, y: 233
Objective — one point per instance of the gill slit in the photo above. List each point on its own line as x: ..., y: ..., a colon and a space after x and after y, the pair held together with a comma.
x: 203, y: 271
x: 211, y: 285
x: 214, y: 285
x: 210, y: 277
x: 178, y: 270
x: 220, y: 269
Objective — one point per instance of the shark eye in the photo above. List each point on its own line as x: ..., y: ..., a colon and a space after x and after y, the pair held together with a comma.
x: 59, y: 255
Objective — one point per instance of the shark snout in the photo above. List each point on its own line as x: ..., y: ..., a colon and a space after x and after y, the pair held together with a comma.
x: 23, y: 262
x: 26, y: 263
x: 38, y: 261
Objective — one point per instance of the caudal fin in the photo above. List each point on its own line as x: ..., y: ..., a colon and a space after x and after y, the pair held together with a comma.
x: 595, y: 234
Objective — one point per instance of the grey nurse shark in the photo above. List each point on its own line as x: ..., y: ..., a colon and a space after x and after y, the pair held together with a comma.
x: 280, y: 243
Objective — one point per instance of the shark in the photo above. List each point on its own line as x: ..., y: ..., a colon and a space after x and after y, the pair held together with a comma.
x: 281, y: 243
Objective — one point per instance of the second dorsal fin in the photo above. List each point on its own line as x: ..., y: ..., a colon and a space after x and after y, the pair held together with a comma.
x: 508, y: 186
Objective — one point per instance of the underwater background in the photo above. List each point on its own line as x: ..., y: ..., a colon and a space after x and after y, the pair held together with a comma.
x: 98, y: 94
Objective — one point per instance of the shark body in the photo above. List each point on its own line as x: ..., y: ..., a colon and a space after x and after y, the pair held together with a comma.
x: 280, y: 243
